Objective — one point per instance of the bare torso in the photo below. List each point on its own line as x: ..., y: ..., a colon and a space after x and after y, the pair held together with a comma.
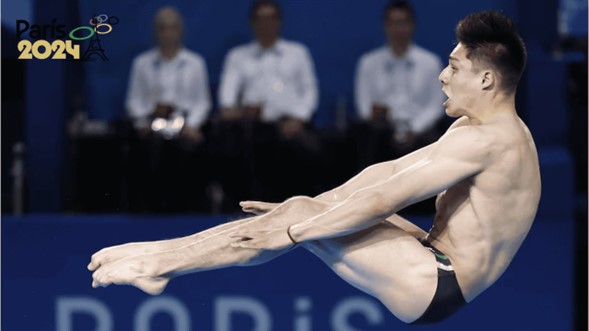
x: 481, y: 222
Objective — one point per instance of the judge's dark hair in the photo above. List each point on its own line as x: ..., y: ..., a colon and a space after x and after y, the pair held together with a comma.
x: 398, y: 5
x: 491, y: 39
x: 263, y: 3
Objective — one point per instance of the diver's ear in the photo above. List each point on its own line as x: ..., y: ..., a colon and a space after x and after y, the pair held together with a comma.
x: 488, y: 79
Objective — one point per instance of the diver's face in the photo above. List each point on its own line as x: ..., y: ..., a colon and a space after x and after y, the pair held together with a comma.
x: 460, y: 82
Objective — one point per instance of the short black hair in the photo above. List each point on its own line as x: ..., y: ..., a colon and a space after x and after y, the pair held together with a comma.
x: 398, y: 5
x: 491, y: 38
x: 263, y: 3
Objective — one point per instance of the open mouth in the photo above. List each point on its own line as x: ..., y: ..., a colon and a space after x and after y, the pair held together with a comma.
x: 447, y: 98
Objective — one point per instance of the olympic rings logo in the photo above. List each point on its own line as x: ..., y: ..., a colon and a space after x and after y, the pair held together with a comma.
x: 99, y: 24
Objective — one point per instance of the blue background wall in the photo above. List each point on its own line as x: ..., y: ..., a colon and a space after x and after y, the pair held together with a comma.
x: 45, y: 256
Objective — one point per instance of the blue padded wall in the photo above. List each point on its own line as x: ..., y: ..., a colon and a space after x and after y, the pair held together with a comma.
x: 44, y: 260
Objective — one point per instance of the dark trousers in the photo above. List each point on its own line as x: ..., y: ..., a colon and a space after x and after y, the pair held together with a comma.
x: 253, y: 161
x: 373, y: 144
x: 168, y: 176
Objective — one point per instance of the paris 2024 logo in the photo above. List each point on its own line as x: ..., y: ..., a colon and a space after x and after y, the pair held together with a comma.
x: 62, y: 49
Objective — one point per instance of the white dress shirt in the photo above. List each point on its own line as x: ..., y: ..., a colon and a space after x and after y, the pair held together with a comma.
x: 181, y: 82
x: 408, y: 86
x: 281, y: 79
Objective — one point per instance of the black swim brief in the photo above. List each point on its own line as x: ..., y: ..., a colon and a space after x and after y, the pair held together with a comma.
x: 448, y: 298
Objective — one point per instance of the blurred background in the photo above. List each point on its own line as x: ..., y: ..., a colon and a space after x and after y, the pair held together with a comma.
x: 77, y: 174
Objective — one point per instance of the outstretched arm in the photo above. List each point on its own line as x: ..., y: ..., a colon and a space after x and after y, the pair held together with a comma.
x: 370, y: 176
x: 459, y: 155
x: 381, y: 172
x: 374, y: 174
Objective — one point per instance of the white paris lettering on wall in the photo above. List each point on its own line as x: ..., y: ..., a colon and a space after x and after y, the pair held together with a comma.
x: 225, y: 308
